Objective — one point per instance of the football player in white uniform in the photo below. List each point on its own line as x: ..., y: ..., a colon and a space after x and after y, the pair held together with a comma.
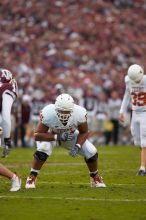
x: 135, y: 93
x: 64, y: 122
x: 8, y: 94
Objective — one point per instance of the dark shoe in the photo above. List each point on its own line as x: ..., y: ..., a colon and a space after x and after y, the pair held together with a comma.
x: 7, y: 142
x: 6, y: 151
x: 7, y: 147
x: 141, y: 173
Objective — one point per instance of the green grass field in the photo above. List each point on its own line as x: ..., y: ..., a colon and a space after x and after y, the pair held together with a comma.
x: 63, y: 191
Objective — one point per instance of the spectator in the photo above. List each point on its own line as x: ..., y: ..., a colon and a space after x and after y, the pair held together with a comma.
x: 114, y: 104
x: 64, y: 43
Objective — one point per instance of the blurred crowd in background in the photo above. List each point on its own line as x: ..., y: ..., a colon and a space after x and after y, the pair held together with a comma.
x: 81, y: 47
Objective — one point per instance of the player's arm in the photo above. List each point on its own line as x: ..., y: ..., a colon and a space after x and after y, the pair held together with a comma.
x: 124, y: 105
x: 83, y: 133
x: 82, y: 136
x: 41, y: 133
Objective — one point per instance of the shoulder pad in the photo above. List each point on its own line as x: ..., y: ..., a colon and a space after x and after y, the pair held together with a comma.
x: 80, y: 113
x: 47, y: 114
x: 127, y: 79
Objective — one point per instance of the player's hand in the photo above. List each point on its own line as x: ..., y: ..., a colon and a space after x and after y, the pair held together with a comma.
x: 70, y: 137
x: 62, y: 136
x: 74, y: 151
x: 121, y: 117
x: 1, y: 130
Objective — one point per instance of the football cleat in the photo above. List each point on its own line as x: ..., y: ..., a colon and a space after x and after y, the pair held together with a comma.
x: 30, y: 182
x: 6, y: 151
x: 97, y: 181
x: 15, y: 184
x: 141, y: 173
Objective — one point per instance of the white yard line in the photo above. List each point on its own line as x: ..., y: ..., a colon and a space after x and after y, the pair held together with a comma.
x: 47, y: 164
x: 73, y: 198
x: 68, y: 183
x: 88, y: 183
x: 66, y: 164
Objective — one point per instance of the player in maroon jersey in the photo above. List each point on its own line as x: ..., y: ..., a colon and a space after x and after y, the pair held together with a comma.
x: 8, y: 94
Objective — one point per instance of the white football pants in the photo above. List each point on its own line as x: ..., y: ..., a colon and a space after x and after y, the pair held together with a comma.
x: 138, y: 128
x: 7, y: 103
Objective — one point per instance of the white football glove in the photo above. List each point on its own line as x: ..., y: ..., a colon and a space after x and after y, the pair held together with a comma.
x: 64, y: 137
x: 75, y: 150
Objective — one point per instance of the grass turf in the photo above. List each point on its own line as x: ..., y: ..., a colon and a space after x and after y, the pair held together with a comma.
x: 63, y: 191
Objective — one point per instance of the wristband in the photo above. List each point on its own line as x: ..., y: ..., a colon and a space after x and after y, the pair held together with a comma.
x: 78, y: 145
x: 55, y: 137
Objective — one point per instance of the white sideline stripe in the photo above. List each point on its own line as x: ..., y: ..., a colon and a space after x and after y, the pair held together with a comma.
x: 74, y: 198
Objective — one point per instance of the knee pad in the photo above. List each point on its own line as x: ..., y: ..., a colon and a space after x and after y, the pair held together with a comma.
x: 92, y: 159
x: 40, y: 156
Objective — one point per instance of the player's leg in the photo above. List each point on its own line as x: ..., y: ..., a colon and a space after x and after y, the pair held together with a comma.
x: 91, y: 158
x: 143, y: 144
x: 5, y: 172
x: 44, y: 149
x: 135, y: 131
x: 7, y: 103
x: 15, y: 180
x: 143, y: 160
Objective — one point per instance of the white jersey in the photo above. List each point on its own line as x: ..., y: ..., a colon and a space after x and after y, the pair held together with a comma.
x: 136, y: 94
x: 50, y: 119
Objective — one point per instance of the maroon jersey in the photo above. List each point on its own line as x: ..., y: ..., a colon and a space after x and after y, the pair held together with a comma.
x: 11, y: 87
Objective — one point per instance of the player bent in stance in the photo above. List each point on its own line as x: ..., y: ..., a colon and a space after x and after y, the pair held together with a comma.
x: 15, y: 180
x: 8, y: 94
x: 62, y: 122
x: 135, y: 93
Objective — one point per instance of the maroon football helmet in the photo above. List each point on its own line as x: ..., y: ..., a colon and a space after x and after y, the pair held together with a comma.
x: 5, y: 76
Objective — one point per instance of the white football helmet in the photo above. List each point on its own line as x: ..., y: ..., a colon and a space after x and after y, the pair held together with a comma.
x: 135, y: 73
x: 64, y: 105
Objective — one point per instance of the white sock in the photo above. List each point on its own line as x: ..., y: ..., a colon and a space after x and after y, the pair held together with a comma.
x: 14, y: 176
x: 142, y: 168
x: 33, y: 170
x: 93, y: 174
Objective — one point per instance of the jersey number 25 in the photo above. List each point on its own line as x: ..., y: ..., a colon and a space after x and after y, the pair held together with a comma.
x: 138, y: 99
